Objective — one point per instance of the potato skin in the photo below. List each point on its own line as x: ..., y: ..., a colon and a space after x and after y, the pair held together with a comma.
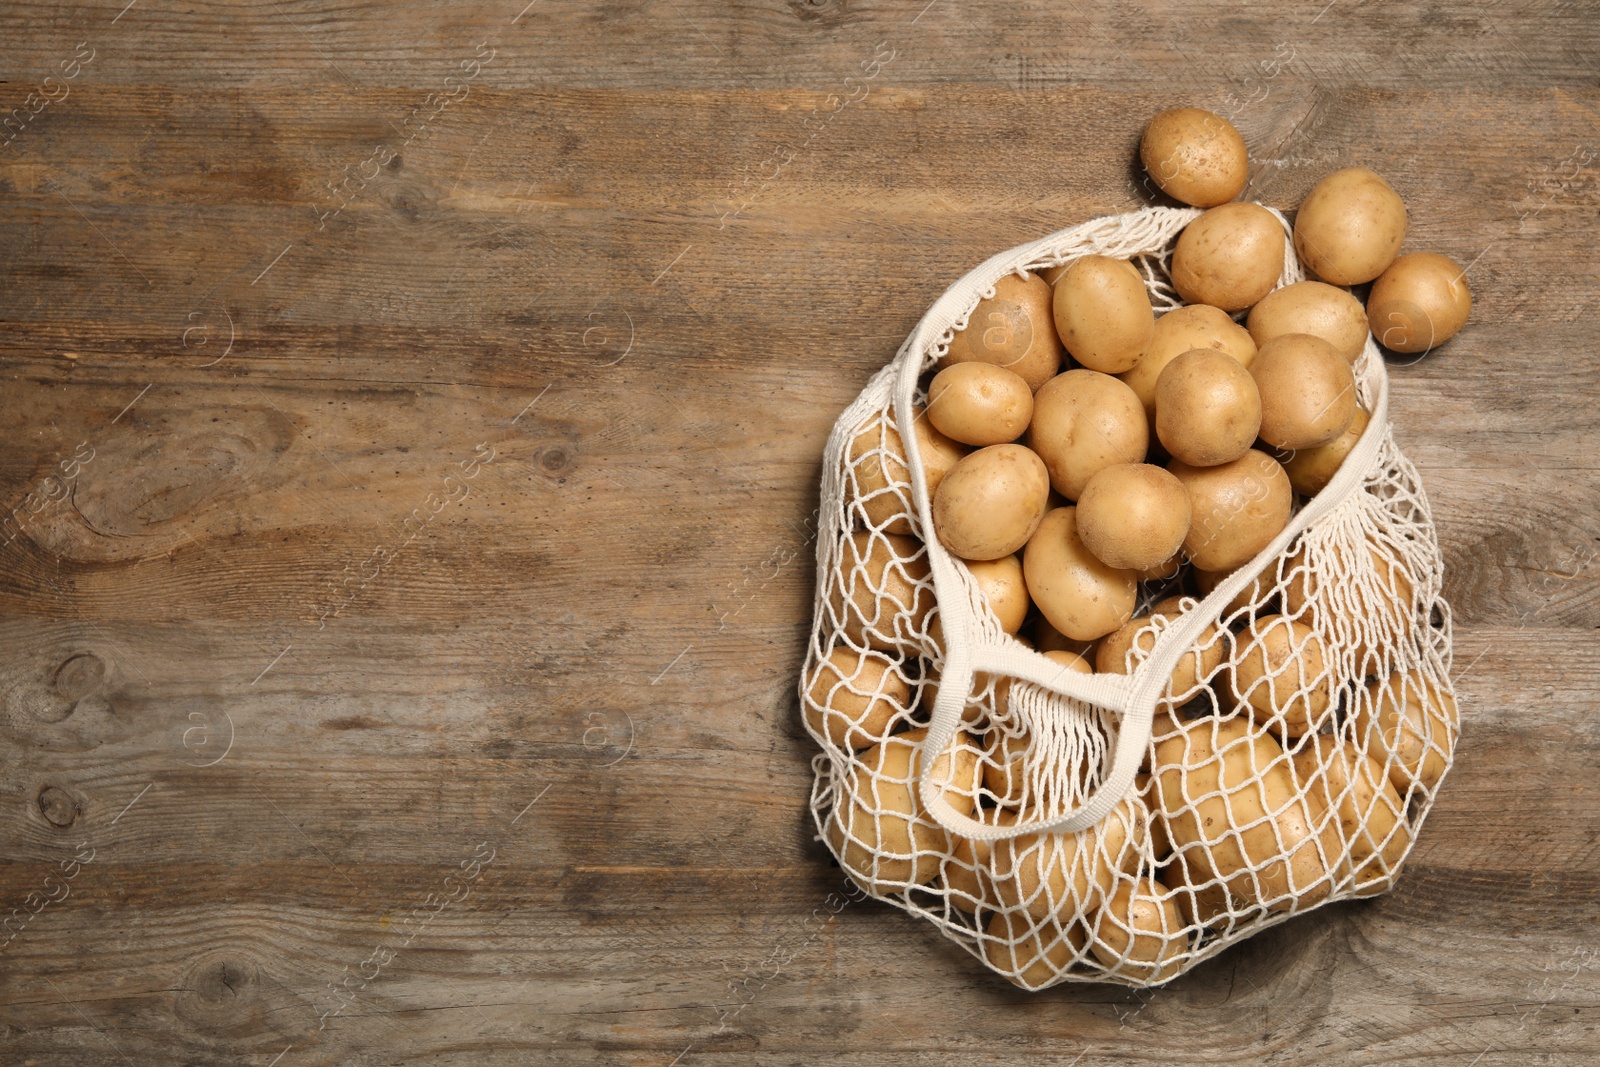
x: 1083, y: 422
x: 1236, y: 509
x: 1182, y: 330
x: 1004, y: 589
x: 1014, y: 329
x: 1140, y: 931
x: 1281, y: 677
x: 1418, y: 303
x: 1080, y: 596
x: 881, y: 476
x: 1350, y: 226
x: 1307, y: 389
x: 1311, y: 469
x: 1058, y: 874
x: 1208, y: 409
x: 1103, y: 313
x: 1195, y: 156
x: 1371, y: 813
x: 1313, y: 307
x: 979, y: 404
x: 880, y: 595
x: 1412, y: 725
x: 1228, y: 795
x: 1230, y: 257
x: 1039, y: 956
x: 854, y: 697
x: 1133, y: 516
x: 991, y: 502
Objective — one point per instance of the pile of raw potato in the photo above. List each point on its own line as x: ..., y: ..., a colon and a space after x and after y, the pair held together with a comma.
x: 1165, y: 454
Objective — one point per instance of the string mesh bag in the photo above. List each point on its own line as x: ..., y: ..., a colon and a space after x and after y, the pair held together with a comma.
x: 1242, y: 752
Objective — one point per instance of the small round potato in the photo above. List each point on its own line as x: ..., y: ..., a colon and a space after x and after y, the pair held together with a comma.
x: 1236, y: 509
x: 1409, y: 724
x: 1308, y: 392
x: 1195, y: 156
x: 1134, y: 516
x: 1081, y: 596
x: 1004, y: 589
x: 881, y: 477
x: 880, y: 594
x: 884, y: 814
x: 1230, y: 257
x: 1311, y: 469
x: 1030, y: 957
x: 1183, y: 330
x: 1317, y: 308
x: 1371, y: 814
x: 1014, y: 329
x: 1139, y: 933
x: 1418, y: 303
x: 979, y: 404
x: 1282, y: 675
x: 991, y: 502
x: 854, y: 697
x: 1060, y: 874
x: 1350, y: 227
x: 1083, y: 422
x: 1235, y: 813
x: 1103, y: 313
x: 1207, y: 408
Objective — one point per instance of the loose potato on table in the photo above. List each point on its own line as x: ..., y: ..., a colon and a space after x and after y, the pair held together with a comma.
x: 1083, y: 422
x: 1103, y: 313
x: 1230, y: 257
x: 991, y: 502
x: 1350, y: 227
x: 1195, y: 156
x: 1418, y: 303
x: 1312, y: 307
x: 1014, y: 329
x: 979, y: 404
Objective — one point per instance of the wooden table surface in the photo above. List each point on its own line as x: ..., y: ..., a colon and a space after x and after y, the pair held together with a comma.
x: 414, y: 416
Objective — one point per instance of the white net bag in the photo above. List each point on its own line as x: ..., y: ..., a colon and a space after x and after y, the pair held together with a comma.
x: 1245, y: 757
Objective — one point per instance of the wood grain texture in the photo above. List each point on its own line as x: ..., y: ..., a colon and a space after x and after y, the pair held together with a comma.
x: 414, y: 491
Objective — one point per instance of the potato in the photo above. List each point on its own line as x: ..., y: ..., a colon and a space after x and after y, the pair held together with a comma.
x: 1350, y: 227
x: 1004, y: 589
x: 1048, y: 639
x: 1252, y: 593
x: 1082, y: 597
x: 1031, y: 955
x: 881, y: 593
x: 979, y: 404
x: 1164, y: 570
x: 1195, y: 156
x: 1133, y: 643
x: 1201, y: 901
x: 1371, y: 814
x: 1236, y: 509
x: 1181, y: 330
x: 880, y: 811
x: 1388, y: 598
x: 1316, y: 308
x: 991, y: 502
x: 854, y: 697
x: 1282, y: 675
x: 1230, y: 257
x: 1133, y: 516
x: 1139, y: 932
x: 1003, y: 768
x: 1207, y: 408
x: 1308, y: 392
x: 1083, y: 422
x: 1014, y: 329
x: 1410, y: 724
x: 1103, y: 313
x: 1234, y: 813
x: 1160, y: 844
x: 1418, y: 303
x: 876, y: 461
x: 1311, y: 469
x: 964, y: 870
x: 1066, y: 874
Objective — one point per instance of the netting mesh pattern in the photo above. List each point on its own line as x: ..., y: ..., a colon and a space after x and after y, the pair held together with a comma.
x: 1292, y: 756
